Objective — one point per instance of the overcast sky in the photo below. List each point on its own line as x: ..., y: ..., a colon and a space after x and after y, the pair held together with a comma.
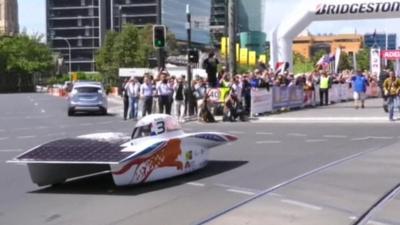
x: 32, y: 17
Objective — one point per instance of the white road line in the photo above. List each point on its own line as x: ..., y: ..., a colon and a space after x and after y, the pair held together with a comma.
x: 275, y: 195
x: 241, y: 192
x: 360, y: 139
x: 35, y: 104
x: 41, y: 128
x: 105, y: 122
x: 373, y: 222
x: 3, y: 138
x: 301, y: 204
x: 371, y: 137
x: 353, y: 217
x: 264, y: 133
x: 315, y: 140
x: 43, y: 111
x: 86, y: 124
x: 297, y: 135
x: 11, y: 150
x: 55, y: 134
x: 334, y: 136
x: 22, y: 128
x: 268, y: 142
x: 236, y: 132
x: 195, y: 184
x: 25, y: 137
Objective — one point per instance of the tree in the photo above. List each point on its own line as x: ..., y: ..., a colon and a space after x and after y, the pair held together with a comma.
x: 363, y: 59
x: 317, y: 56
x: 301, y: 64
x: 344, y: 63
x: 104, y: 58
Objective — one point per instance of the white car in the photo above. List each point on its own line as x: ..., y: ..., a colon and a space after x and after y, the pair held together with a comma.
x: 157, y: 149
x: 87, y: 97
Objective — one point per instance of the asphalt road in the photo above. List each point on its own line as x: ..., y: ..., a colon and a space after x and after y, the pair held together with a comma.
x: 267, y: 154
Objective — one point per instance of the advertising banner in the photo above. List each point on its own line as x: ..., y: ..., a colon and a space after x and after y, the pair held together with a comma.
x: 376, y: 61
x: 390, y: 54
x: 261, y: 101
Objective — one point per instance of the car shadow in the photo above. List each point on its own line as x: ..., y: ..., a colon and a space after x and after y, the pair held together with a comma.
x: 103, y: 184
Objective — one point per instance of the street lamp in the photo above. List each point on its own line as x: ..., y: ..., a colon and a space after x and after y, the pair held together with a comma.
x: 69, y: 51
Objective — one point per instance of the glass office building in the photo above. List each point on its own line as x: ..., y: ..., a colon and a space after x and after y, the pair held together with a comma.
x: 380, y: 40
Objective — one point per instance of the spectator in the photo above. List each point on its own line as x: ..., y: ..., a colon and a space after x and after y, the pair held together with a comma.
x: 324, y: 86
x: 133, y: 89
x: 146, y: 93
x: 179, y: 98
x: 382, y: 78
x: 359, y: 83
x: 125, y: 98
x: 391, y: 90
x: 211, y: 65
x: 164, y: 93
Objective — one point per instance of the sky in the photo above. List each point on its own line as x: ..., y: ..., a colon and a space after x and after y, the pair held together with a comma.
x: 32, y: 18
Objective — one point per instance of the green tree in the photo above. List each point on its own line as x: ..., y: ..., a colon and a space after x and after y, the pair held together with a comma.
x: 363, y: 59
x: 104, y: 59
x: 345, y: 62
x: 301, y: 64
x: 317, y: 56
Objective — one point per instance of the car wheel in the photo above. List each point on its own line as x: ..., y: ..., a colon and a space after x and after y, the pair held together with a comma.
x: 104, y: 111
x: 71, y: 112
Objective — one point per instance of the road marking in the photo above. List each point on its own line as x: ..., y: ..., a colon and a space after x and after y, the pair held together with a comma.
x: 236, y: 132
x: 371, y: 137
x: 301, y: 204
x: 241, y: 192
x: 25, y: 137
x: 373, y: 222
x: 334, y: 136
x: 268, y: 142
x: 85, y: 124
x: 35, y: 104
x: 41, y: 128
x: 353, y: 217
x: 43, y: 111
x: 297, y: 135
x: 22, y: 128
x: 11, y: 150
x: 315, y: 140
x: 105, y: 122
x: 3, y: 138
x: 275, y: 195
x: 55, y: 134
x: 195, y: 184
x: 264, y: 133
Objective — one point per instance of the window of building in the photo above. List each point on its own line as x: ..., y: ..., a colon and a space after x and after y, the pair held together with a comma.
x: 91, y: 12
x: 87, y: 31
x: 79, y: 43
x: 79, y: 22
x: 83, y: 2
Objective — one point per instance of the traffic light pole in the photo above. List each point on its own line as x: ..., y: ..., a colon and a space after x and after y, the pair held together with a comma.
x: 189, y: 68
x: 160, y: 51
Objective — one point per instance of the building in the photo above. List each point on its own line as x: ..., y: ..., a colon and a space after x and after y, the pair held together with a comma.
x: 382, y: 40
x: 76, y: 29
x: 9, y: 17
x: 79, y: 26
x: 310, y: 44
x: 249, y: 19
x: 254, y: 41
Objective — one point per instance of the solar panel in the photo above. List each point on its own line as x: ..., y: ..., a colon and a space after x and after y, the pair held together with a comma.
x: 77, y: 150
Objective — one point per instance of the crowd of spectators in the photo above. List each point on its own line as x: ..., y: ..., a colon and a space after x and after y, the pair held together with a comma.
x: 170, y: 94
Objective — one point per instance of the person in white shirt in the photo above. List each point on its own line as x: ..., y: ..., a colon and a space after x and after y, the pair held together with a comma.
x: 164, y: 92
x: 132, y: 88
x: 179, y: 97
x: 146, y: 93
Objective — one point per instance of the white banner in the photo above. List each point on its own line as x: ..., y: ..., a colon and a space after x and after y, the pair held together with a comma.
x: 261, y: 101
x: 376, y: 61
x: 337, y: 59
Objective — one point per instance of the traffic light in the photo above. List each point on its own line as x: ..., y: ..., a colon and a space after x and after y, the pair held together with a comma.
x: 159, y: 36
x: 193, y: 56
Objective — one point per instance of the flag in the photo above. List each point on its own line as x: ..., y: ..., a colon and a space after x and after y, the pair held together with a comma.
x: 281, y: 67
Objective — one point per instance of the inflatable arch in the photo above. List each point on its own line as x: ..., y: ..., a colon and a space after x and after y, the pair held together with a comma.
x: 321, y: 10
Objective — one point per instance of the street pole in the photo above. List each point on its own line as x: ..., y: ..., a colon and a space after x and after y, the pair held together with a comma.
x: 189, y: 69
x: 120, y: 18
x: 226, y: 35
x: 232, y: 36
x: 160, y: 52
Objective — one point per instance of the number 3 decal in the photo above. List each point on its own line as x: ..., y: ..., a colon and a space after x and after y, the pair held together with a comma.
x: 160, y: 127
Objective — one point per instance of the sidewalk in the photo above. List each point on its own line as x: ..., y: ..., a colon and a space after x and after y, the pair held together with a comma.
x: 335, y: 113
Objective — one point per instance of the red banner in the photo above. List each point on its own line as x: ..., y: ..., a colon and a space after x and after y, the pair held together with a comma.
x: 390, y: 54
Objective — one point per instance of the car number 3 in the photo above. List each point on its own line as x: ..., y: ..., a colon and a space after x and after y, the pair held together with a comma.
x: 160, y: 127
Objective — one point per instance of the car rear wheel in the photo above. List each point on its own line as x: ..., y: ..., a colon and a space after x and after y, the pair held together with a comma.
x: 103, y: 111
x: 71, y: 112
